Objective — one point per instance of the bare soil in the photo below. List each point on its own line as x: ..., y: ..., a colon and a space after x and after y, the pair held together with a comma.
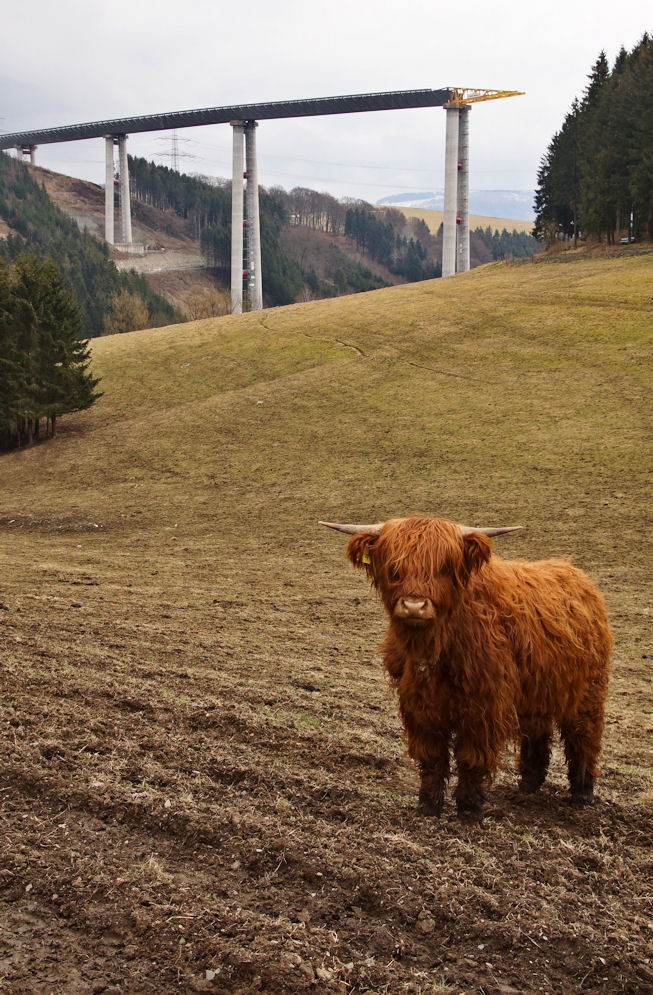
x: 172, y: 248
x: 84, y: 201
x: 203, y: 785
x: 204, y: 789
x: 168, y: 263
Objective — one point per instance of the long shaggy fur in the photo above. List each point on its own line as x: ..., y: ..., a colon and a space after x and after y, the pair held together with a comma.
x: 513, y: 649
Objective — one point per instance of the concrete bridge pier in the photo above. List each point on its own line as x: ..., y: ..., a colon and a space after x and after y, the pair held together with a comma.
x: 125, y: 203
x: 450, y: 190
x: 109, y: 191
x: 455, y: 236
x: 237, y: 220
x: 462, y: 214
x: 254, y: 281
x: 245, y: 222
x: 27, y: 150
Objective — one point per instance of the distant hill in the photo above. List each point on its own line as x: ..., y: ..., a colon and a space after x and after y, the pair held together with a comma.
x: 505, y: 206
x: 183, y: 223
x: 32, y: 222
x: 435, y: 218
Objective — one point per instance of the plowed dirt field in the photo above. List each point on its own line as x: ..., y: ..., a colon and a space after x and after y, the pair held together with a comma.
x: 202, y: 779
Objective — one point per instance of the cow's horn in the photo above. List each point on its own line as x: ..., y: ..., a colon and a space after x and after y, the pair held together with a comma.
x: 354, y: 529
x: 467, y: 529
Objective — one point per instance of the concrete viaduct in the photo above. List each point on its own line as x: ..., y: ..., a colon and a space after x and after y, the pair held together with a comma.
x: 246, y: 276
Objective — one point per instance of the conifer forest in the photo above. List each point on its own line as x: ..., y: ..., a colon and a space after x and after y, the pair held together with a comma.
x: 596, y: 177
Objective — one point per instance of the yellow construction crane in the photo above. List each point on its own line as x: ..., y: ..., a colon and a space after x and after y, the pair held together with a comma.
x: 467, y: 95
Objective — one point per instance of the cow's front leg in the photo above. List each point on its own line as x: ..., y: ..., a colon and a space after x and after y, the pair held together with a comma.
x: 434, y: 773
x: 469, y: 793
x: 431, y: 753
x: 476, y: 761
x: 428, y: 737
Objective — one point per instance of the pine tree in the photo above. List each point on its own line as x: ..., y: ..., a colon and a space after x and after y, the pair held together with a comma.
x: 638, y: 90
x: 39, y: 226
x: 44, y: 364
x: 9, y: 373
x: 597, y: 173
x: 599, y: 75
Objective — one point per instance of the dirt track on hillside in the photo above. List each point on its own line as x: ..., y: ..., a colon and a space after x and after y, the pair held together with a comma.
x: 186, y: 807
x: 162, y: 262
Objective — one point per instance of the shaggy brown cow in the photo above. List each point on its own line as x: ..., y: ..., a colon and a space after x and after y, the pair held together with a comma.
x: 483, y: 650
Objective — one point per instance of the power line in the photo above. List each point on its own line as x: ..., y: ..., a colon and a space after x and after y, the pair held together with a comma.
x: 174, y: 154
x: 353, y: 165
x: 318, y: 162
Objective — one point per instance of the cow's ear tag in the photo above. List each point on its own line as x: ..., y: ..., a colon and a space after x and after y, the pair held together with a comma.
x: 366, y: 558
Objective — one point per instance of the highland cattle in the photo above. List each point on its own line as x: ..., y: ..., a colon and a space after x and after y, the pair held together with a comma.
x: 482, y: 651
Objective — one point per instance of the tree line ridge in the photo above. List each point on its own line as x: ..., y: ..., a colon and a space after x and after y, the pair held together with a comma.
x: 596, y: 177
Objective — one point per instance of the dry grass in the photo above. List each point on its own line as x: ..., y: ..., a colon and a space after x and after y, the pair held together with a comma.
x: 433, y: 220
x: 197, y: 741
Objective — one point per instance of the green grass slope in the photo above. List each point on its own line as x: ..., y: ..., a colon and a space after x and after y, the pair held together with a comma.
x: 511, y: 393
x: 196, y: 733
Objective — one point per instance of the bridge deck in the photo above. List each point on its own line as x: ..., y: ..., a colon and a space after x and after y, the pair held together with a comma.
x: 393, y: 100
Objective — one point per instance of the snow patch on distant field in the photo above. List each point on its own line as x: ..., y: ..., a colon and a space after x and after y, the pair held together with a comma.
x: 517, y: 204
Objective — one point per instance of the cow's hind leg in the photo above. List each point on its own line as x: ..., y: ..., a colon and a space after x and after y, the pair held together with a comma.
x: 582, y: 740
x: 534, y: 759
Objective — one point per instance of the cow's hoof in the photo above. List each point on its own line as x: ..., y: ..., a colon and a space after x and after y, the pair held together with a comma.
x: 469, y: 801
x: 470, y: 810
x: 582, y: 800
x: 529, y: 785
x: 429, y: 810
x: 470, y: 814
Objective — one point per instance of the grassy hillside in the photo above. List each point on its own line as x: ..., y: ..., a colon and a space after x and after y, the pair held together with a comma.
x: 202, y: 769
x: 399, y: 400
x: 331, y: 265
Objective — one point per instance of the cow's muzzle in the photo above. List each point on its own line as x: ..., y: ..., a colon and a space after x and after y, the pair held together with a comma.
x: 415, y: 611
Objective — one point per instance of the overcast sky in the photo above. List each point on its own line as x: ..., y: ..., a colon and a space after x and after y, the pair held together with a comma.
x: 82, y: 60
